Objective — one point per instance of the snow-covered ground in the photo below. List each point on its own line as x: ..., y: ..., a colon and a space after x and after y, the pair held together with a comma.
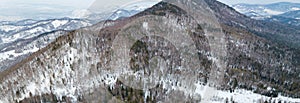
x: 131, y: 9
x: 212, y: 95
x: 12, y: 32
x: 267, y: 9
x: 11, y: 54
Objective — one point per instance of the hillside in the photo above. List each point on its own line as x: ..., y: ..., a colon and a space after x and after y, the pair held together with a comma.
x: 175, y: 51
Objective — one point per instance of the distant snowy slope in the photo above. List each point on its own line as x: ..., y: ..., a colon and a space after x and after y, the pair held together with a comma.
x: 130, y: 10
x: 20, y: 38
x: 25, y: 29
x: 283, y: 12
x: 291, y: 14
x: 267, y: 9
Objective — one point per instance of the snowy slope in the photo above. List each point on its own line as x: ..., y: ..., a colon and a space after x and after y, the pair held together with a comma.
x: 11, y: 53
x: 267, y: 9
x: 131, y: 9
x: 26, y: 29
x: 19, y: 38
x: 283, y: 12
x: 76, y: 67
x: 212, y: 95
x: 292, y: 14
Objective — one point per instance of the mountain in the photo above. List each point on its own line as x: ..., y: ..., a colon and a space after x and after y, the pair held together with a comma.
x: 128, y: 10
x: 121, y: 13
x: 292, y: 18
x: 267, y: 9
x: 18, y: 39
x: 21, y: 38
x: 284, y: 20
x: 291, y: 14
x: 175, y: 51
x: 280, y: 33
x: 131, y: 9
x: 282, y: 12
x: 29, y: 28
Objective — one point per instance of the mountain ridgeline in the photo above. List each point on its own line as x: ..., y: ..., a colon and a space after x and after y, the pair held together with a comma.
x: 161, y: 54
x: 281, y: 12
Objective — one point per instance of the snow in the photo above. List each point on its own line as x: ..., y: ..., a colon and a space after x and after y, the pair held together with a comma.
x: 8, y: 28
x: 4, y: 101
x: 140, y: 6
x: 272, y: 12
x: 6, y: 55
x: 28, y: 31
x: 239, y: 95
x: 295, y: 8
x: 145, y: 25
x: 57, y: 23
x: 119, y: 12
x: 131, y: 9
x: 269, y: 88
x: 208, y: 94
x: 36, y: 30
x: 147, y: 94
x: 263, y: 10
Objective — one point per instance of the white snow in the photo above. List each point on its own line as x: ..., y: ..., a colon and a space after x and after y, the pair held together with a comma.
x: 31, y: 87
x: 8, y: 28
x: 36, y: 30
x: 140, y: 6
x: 57, y: 23
x: 239, y: 96
x: 295, y: 8
x: 23, y: 35
x: 145, y: 25
x: 118, y: 12
x: 272, y: 12
x: 147, y: 94
x: 269, y: 88
x: 6, y: 55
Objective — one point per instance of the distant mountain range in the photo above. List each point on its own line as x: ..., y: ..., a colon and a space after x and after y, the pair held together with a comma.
x: 11, y: 31
x: 283, y: 12
x: 21, y: 38
x: 18, y: 39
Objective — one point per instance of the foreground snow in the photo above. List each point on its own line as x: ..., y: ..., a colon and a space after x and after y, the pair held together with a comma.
x: 212, y: 95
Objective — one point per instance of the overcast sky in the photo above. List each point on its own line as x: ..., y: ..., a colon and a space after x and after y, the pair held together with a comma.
x: 41, y: 9
x: 231, y: 2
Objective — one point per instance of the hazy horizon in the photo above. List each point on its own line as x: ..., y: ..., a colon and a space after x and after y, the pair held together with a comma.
x: 42, y: 9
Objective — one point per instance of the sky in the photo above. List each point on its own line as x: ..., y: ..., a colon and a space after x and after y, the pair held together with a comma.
x: 231, y: 2
x: 43, y: 9
x: 39, y: 9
